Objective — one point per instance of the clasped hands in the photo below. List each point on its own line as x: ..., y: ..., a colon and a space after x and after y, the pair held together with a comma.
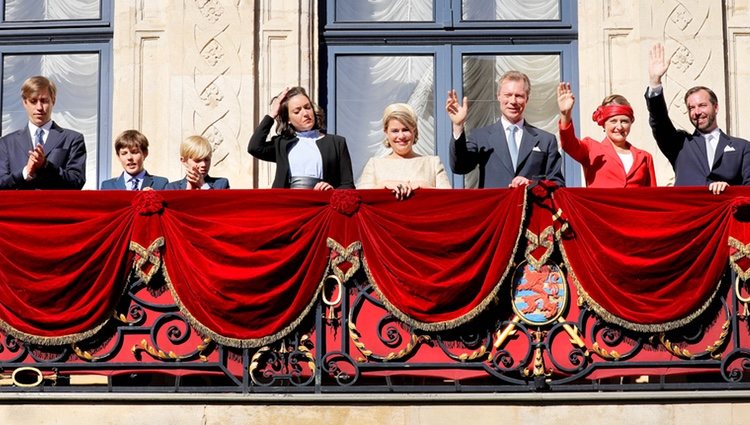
x: 36, y: 161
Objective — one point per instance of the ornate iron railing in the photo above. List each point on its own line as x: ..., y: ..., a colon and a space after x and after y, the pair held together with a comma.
x: 349, y: 342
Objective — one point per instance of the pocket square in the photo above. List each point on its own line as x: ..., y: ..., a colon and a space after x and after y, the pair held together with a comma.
x: 536, y: 149
x: 728, y: 149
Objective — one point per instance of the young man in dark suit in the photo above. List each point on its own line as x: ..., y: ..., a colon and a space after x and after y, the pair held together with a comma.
x: 705, y: 157
x: 42, y: 155
x: 510, y: 152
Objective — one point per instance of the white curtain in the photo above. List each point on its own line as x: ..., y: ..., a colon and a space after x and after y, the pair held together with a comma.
x: 51, y: 10
x: 77, y: 105
x: 365, y: 85
x: 510, y: 10
x: 385, y: 10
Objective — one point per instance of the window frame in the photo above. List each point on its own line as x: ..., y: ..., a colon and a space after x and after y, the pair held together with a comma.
x: 464, y: 37
x: 70, y: 37
x: 441, y: 55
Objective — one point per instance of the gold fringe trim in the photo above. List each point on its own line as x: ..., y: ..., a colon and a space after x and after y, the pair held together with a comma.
x: 743, y: 251
x: 52, y: 340
x: 450, y: 324
x: 147, y: 256
x: 65, y: 339
x: 245, y: 343
x: 611, y: 318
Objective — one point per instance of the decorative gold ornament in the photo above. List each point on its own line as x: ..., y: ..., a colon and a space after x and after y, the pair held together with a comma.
x: 339, y: 255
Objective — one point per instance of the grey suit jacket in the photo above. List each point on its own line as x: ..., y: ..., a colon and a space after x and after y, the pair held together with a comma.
x: 118, y: 183
x: 213, y: 183
x: 64, y: 150
x: 487, y: 148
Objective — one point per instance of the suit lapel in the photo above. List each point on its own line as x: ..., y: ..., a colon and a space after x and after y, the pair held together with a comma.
x: 326, y: 151
x: 611, y: 153
x: 528, y: 141
x: 120, y: 182
x: 147, y: 181
x: 722, y: 144
x: 53, y: 139
x: 698, y: 145
x: 25, y: 140
x: 639, y: 157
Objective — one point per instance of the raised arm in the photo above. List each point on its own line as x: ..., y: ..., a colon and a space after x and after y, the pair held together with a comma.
x: 457, y: 112
x: 568, y: 140
x: 657, y: 66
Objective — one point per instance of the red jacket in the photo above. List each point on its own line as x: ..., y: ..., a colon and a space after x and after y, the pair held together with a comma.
x: 602, y: 166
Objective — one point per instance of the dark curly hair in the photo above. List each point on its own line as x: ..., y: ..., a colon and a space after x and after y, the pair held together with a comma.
x: 284, y: 128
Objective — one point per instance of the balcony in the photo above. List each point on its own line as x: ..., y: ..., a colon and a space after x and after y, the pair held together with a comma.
x: 278, y: 291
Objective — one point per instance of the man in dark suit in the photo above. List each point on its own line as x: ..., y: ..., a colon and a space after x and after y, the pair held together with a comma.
x: 705, y: 157
x: 510, y: 152
x: 42, y: 155
x: 131, y: 147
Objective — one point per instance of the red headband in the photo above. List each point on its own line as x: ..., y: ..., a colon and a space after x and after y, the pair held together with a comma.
x: 603, y: 113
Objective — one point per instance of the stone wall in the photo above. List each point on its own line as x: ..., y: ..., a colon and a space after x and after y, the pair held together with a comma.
x: 208, y: 67
x: 402, y: 413
x: 615, y: 37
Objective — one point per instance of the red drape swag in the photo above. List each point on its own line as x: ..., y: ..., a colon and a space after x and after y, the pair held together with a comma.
x: 648, y: 259
x: 63, y: 262
x: 439, y: 259
x: 246, y: 266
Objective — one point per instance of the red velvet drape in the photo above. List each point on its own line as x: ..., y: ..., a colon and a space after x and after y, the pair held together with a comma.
x: 439, y: 261
x: 245, y: 266
x: 63, y: 262
x: 647, y: 258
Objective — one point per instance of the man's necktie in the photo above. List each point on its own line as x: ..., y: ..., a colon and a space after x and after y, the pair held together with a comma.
x: 710, y: 149
x: 133, y: 183
x: 512, y: 146
x: 39, y: 137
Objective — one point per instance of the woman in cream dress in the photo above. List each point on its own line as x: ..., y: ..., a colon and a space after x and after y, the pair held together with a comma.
x: 403, y: 171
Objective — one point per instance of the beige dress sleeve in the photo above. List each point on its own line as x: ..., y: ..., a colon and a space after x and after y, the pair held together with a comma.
x: 367, y: 180
x: 441, y: 177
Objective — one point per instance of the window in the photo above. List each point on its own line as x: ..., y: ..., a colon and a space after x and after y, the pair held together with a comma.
x: 68, y: 41
x: 414, y: 51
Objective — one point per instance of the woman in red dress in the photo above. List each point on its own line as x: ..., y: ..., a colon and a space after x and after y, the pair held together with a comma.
x: 613, y: 162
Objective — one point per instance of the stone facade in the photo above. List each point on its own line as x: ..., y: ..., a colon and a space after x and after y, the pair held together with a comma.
x: 207, y: 67
x: 541, y: 412
x: 210, y: 67
x: 615, y: 37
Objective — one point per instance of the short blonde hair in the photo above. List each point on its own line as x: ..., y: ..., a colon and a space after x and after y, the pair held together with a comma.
x: 403, y: 113
x: 34, y: 85
x: 195, y: 147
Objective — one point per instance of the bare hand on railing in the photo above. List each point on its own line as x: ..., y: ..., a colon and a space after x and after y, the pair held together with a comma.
x: 402, y: 190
